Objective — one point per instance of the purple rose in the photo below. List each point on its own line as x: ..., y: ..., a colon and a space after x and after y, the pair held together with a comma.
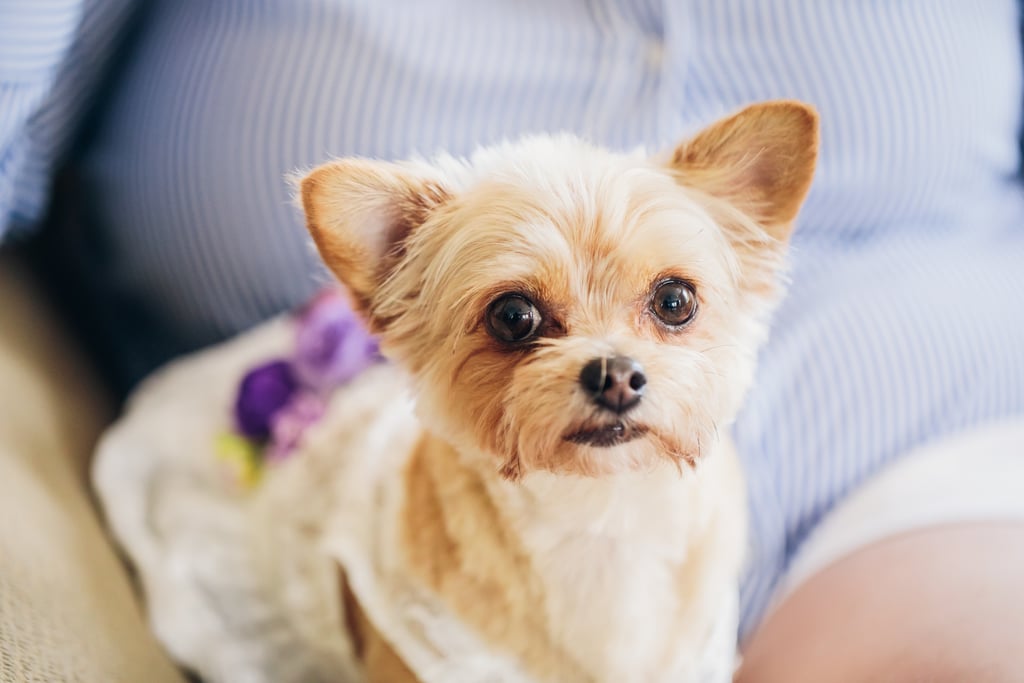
x: 289, y: 424
x: 279, y: 400
x: 263, y: 392
x: 332, y: 346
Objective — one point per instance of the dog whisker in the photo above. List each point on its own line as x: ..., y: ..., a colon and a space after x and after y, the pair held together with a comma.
x: 717, y: 347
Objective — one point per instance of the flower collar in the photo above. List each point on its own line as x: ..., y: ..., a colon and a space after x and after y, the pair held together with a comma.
x: 279, y: 399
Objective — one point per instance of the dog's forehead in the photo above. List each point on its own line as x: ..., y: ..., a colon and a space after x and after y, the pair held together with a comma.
x: 583, y: 220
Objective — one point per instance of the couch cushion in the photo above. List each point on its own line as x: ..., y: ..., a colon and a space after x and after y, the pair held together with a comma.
x: 67, y: 610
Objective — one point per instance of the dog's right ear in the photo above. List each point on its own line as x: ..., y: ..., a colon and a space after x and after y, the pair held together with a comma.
x: 360, y: 213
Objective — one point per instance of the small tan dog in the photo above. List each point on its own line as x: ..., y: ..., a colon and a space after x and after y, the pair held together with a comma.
x: 577, y: 330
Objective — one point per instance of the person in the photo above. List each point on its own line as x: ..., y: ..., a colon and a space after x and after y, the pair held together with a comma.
x: 884, y: 438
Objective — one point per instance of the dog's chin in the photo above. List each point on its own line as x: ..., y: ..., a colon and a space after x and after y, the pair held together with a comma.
x: 606, y: 435
x: 595, y: 447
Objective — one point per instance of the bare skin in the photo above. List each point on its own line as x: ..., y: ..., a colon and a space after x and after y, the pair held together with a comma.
x: 944, y: 604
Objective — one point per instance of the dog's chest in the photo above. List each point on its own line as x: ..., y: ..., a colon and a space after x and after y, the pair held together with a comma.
x: 614, y: 587
x: 611, y: 605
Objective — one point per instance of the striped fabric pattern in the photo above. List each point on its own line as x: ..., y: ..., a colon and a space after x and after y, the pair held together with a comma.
x: 52, y: 55
x: 903, y: 323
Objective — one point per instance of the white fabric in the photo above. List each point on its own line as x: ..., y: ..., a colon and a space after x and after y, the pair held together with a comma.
x: 207, y: 574
x: 975, y: 476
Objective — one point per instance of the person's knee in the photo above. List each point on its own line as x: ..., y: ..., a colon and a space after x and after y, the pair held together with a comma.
x: 944, y: 604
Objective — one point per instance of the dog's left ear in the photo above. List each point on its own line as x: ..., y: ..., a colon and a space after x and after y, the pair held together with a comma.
x: 759, y: 160
x: 360, y: 213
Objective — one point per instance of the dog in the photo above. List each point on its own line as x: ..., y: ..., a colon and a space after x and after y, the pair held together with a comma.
x: 540, y: 487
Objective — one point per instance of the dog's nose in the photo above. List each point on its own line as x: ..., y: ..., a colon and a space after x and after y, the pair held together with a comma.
x: 615, y: 383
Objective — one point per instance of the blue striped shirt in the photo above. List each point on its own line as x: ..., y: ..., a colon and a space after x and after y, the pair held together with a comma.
x: 904, y: 319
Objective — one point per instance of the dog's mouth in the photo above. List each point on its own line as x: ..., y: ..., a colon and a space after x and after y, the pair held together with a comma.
x: 604, y: 436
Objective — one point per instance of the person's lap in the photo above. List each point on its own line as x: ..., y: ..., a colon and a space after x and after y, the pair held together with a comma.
x: 943, y: 603
x: 916, y: 576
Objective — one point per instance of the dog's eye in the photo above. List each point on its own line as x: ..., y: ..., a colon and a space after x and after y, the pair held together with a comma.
x: 674, y: 302
x: 513, y: 318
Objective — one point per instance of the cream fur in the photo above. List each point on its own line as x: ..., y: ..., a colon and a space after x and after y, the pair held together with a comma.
x: 476, y: 541
x: 611, y: 555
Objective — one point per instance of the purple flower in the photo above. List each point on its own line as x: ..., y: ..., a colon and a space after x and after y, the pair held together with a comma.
x: 289, y: 424
x: 264, y: 391
x: 332, y: 346
x: 279, y: 400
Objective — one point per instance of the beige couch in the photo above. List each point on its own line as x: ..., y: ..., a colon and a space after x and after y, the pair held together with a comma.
x: 67, y: 607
